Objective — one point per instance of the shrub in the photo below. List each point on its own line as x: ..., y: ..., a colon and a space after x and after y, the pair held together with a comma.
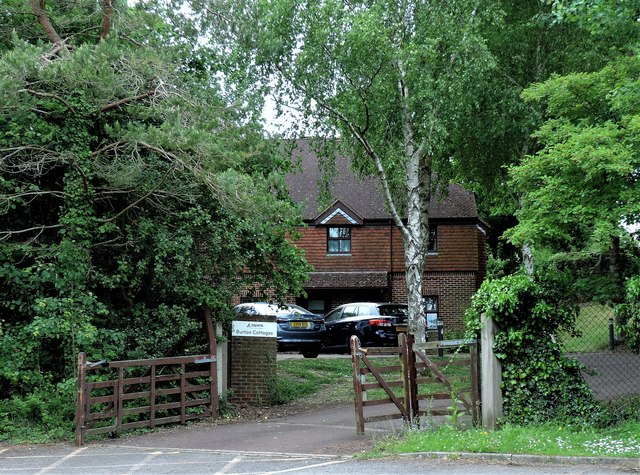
x: 45, y: 414
x: 539, y: 383
x: 628, y: 314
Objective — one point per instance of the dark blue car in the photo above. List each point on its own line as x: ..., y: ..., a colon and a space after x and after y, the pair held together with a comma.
x: 298, y: 329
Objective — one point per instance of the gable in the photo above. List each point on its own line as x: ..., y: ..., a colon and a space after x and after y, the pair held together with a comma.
x: 338, y: 214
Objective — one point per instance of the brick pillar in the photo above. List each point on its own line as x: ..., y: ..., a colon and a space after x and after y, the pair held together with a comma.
x: 253, y: 365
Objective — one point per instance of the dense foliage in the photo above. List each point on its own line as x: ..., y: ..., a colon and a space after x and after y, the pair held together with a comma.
x: 628, y: 314
x: 578, y: 184
x: 131, y: 194
x: 538, y: 382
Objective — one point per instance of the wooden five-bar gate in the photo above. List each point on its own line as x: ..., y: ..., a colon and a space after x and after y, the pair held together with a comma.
x: 419, y: 379
x: 118, y: 395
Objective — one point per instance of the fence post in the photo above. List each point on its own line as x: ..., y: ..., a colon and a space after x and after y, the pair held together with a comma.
x: 354, y: 343
x: 612, y: 342
x: 213, y: 366
x: 491, y: 374
x: 81, y: 398
x: 473, y: 353
x: 408, y: 377
x: 440, y: 326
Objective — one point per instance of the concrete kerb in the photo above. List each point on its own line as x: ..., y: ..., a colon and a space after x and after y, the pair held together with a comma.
x: 527, y: 459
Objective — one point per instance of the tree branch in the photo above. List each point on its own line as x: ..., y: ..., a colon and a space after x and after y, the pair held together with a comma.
x: 121, y: 102
x: 52, y: 96
x: 386, y: 188
x: 38, y: 9
x: 4, y: 235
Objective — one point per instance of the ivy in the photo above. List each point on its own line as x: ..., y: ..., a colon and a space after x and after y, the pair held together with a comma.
x: 539, y: 383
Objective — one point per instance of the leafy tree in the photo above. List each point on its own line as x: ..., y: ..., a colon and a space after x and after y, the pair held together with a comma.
x: 528, y: 45
x: 390, y: 78
x: 131, y: 193
x: 582, y: 185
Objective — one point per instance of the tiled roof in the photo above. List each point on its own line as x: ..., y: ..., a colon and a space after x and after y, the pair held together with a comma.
x: 348, y: 280
x: 363, y: 196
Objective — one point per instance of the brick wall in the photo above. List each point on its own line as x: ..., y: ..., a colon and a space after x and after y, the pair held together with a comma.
x: 370, y: 249
x: 453, y: 289
x: 253, y: 365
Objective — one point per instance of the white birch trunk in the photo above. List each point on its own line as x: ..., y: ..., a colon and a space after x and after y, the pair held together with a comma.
x: 527, y: 259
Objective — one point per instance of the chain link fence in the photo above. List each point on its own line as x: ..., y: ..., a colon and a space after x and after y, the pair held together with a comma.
x: 612, y: 370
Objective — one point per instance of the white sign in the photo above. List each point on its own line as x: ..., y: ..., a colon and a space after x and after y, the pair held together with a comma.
x: 254, y: 329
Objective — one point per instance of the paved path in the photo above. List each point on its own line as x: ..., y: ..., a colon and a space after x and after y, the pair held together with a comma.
x: 326, y: 430
x: 312, y: 442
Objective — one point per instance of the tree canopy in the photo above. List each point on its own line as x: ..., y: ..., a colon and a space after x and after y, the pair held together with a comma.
x: 131, y: 192
x: 390, y: 79
x: 581, y: 188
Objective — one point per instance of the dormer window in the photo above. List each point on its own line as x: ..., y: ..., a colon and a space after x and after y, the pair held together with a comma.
x: 339, y: 240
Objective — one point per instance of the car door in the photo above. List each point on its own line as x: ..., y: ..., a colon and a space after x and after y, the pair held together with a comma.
x: 346, y: 325
x: 331, y: 319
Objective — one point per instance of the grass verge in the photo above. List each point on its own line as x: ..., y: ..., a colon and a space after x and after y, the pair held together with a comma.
x: 619, y: 441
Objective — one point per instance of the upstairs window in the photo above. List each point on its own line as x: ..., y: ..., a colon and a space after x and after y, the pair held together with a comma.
x: 433, y: 239
x: 339, y: 240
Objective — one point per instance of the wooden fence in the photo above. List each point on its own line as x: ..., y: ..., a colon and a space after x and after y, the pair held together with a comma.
x: 119, y: 395
x: 419, y: 380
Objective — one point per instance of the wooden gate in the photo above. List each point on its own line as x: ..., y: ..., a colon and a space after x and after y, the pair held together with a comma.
x: 118, y: 395
x: 420, y: 384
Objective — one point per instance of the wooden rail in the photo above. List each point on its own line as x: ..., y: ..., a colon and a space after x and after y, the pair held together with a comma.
x: 417, y: 374
x: 114, y: 396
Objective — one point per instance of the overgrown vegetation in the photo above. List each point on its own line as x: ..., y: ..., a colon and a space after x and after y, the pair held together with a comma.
x: 133, y: 190
x: 539, y: 383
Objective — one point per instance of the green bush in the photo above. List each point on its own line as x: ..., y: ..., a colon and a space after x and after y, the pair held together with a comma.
x: 628, y: 314
x: 45, y: 414
x: 539, y: 383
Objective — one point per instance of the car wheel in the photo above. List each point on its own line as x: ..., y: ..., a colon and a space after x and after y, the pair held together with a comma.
x: 311, y: 353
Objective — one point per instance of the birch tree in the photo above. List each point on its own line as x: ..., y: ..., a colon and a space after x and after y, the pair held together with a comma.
x: 390, y: 79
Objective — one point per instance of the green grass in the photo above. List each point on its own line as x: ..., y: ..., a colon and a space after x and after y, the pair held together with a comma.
x: 329, y: 380
x: 620, y: 441
x: 309, y: 380
x: 593, y: 324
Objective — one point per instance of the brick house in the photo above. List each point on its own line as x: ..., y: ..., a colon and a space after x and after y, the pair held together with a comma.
x: 357, y: 251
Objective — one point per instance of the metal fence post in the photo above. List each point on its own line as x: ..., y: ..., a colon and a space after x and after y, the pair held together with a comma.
x: 611, y: 335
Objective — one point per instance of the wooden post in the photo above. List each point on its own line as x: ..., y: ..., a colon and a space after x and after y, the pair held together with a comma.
x: 183, y: 388
x: 152, y: 397
x: 118, y: 392
x: 475, y: 393
x: 409, y: 378
x: 81, y: 398
x: 357, y: 387
x: 491, y: 376
x: 213, y: 354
